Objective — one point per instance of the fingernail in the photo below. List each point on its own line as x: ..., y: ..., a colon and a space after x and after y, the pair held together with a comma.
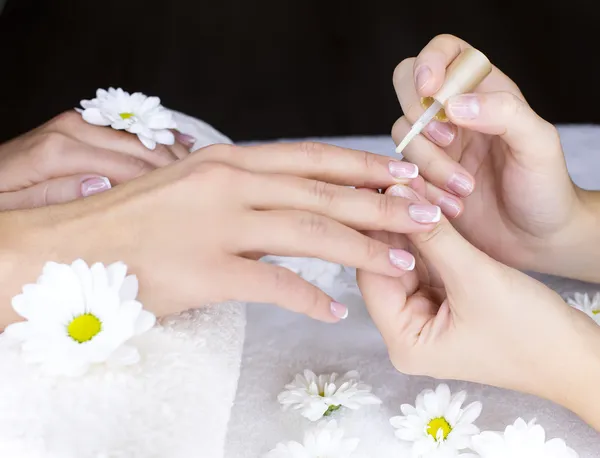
x: 339, y: 310
x: 185, y: 139
x: 403, y: 191
x: 464, y: 106
x: 441, y: 132
x: 425, y: 213
x: 449, y: 206
x: 94, y: 185
x: 422, y: 76
x: 401, y: 169
x: 402, y: 259
x: 461, y: 184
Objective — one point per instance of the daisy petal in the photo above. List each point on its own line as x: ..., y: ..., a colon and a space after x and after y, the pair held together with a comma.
x: 164, y: 137
x: 116, y: 274
x: 161, y: 120
x: 22, y: 330
x: 95, y: 116
x: 144, y: 322
x: 129, y: 288
x: 443, y: 396
x: 21, y: 305
x: 471, y: 413
x: 147, y: 142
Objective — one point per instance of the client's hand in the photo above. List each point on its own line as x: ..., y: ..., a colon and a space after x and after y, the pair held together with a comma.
x: 522, y: 207
x: 193, y: 231
x: 462, y: 315
x: 67, y: 158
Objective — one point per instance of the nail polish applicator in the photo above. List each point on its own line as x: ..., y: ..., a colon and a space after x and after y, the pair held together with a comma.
x: 463, y: 75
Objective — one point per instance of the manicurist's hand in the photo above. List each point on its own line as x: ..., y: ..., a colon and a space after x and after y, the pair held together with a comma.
x: 506, y: 162
x: 67, y: 158
x: 193, y: 231
x: 462, y: 315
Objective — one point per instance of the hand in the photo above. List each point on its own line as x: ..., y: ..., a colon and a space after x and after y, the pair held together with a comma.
x: 462, y: 315
x: 193, y: 232
x: 522, y: 207
x: 68, y: 158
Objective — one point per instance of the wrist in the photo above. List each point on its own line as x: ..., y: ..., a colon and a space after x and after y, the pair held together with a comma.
x: 29, y: 239
x: 575, y: 382
x: 573, y: 251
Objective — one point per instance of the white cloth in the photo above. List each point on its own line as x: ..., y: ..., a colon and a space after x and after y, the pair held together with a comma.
x: 279, y: 344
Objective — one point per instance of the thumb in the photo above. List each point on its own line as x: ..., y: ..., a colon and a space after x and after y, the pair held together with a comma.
x: 506, y: 115
x: 452, y: 256
x: 447, y: 251
x: 55, y: 191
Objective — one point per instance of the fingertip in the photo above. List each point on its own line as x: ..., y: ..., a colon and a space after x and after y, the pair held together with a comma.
x: 94, y: 185
x: 186, y: 140
x: 461, y: 183
x: 429, y: 77
x: 338, y: 310
x: 452, y: 207
x: 423, y: 77
x: 441, y: 133
x: 402, y: 260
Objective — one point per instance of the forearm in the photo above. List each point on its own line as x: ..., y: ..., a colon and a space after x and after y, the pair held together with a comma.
x: 29, y: 239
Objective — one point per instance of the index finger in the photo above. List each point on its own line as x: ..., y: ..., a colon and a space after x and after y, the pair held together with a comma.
x: 316, y: 161
x: 429, y: 69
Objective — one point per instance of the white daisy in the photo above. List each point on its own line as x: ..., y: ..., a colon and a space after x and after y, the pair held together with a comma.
x: 437, y: 425
x: 135, y: 113
x: 318, y: 396
x: 520, y: 440
x: 325, y: 441
x: 589, y: 306
x: 77, y: 316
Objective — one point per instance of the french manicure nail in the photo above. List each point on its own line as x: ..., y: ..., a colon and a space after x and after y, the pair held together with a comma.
x: 339, y: 310
x: 465, y: 106
x: 441, y: 132
x: 401, y: 169
x: 185, y: 139
x: 94, y: 185
x: 402, y: 259
x: 422, y: 213
x: 449, y: 206
x: 405, y: 192
x: 461, y: 184
x: 422, y: 77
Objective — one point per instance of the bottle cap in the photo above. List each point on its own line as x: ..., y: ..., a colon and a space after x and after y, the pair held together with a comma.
x: 463, y: 75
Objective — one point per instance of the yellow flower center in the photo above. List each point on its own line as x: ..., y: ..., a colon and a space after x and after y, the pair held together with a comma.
x: 84, y: 328
x: 438, y: 424
x: 596, y: 312
x: 126, y: 115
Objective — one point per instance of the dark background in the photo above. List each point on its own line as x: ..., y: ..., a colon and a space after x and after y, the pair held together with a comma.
x: 264, y: 69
